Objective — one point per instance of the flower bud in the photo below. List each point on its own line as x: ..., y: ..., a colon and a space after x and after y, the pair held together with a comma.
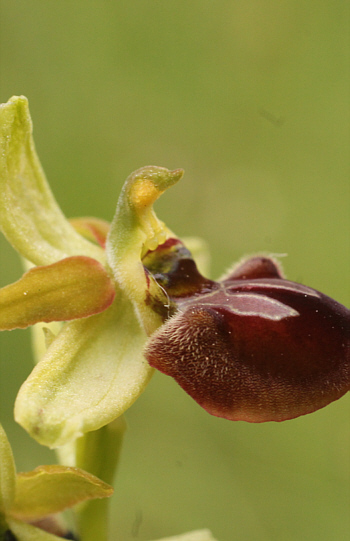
x: 257, y: 349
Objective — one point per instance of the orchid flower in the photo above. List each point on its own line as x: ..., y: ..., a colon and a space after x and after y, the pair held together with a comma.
x: 109, y: 303
x: 252, y: 346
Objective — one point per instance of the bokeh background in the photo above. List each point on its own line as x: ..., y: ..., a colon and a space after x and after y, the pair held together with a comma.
x: 251, y: 99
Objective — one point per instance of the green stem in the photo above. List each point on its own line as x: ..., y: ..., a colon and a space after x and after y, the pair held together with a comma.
x: 3, y: 528
x: 98, y: 453
x: 93, y: 521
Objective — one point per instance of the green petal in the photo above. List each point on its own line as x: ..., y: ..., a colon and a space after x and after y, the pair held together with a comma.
x: 72, y: 288
x: 92, y: 372
x: 27, y: 532
x: 29, y: 215
x: 52, y: 489
x: 93, y: 229
x: 7, y: 473
x: 135, y: 229
x: 198, y: 535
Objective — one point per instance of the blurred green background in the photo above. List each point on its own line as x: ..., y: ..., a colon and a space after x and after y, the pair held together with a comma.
x: 251, y: 99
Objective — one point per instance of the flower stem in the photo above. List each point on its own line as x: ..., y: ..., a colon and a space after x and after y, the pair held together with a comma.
x: 98, y: 452
x: 93, y: 521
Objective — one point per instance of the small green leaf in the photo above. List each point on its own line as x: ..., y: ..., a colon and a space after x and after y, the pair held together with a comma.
x: 26, y: 532
x: 29, y: 215
x: 7, y: 473
x: 72, y: 288
x: 198, y: 535
x: 92, y: 372
x: 51, y: 489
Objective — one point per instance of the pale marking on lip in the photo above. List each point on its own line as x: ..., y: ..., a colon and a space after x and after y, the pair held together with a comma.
x: 251, y: 304
x: 245, y: 295
x: 286, y: 286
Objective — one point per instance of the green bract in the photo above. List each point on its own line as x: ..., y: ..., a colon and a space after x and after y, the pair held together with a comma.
x: 31, y: 496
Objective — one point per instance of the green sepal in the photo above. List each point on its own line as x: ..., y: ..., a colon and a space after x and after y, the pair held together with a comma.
x: 29, y: 215
x: 93, y: 229
x: 72, y: 288
x: 7, y: 473
x: 134, y: 230
x: 51, y: 489
x: 92, y: 372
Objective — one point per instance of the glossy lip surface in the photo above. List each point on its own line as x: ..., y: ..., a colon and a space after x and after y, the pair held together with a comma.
x: 257, y: 350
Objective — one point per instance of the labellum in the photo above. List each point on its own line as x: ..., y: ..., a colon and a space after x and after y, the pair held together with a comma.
x: 252, y: 347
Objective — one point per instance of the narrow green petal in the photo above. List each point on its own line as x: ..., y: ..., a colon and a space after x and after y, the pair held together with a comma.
x: 27, y: 532
x: 7, y: 473
x: 29, y: 215
x: 198, y: 535
x: 92, y: 372
x: 72, y: 288
x: 52, y: 489
x: 135, y: 229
